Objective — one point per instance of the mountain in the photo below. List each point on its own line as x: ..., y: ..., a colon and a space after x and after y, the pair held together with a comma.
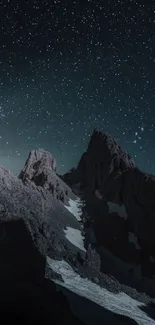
x: 73, y: 247
x: 120, y: 207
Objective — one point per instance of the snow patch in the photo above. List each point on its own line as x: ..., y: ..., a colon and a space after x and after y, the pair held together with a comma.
x: 152, y: 259
x: 134, y: 240
x: 120, y: 303
x: 120, y: 209
x: 98, y: 195
x: 75, y: 237
x: 75, y: 207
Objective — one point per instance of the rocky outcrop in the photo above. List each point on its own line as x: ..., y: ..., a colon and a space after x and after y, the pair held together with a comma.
x: 40, y: 168
x: 37, y: 160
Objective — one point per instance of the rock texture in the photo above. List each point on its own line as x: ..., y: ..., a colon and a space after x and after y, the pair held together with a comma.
x: 108, y: 173
x: 37, y: 160
x: 40, y: 168
x: 102, y: 159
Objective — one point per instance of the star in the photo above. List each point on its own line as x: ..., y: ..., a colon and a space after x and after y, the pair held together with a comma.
x: 71, y: 67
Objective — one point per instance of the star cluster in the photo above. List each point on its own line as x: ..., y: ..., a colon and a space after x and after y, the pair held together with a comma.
x: 69, y: 66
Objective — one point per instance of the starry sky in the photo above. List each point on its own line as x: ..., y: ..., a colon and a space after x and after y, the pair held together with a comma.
x: 69, y: 66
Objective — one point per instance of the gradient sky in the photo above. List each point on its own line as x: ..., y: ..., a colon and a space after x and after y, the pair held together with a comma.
x: 69, y: 66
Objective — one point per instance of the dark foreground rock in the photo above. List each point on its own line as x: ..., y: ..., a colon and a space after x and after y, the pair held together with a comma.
x: 26, y: 296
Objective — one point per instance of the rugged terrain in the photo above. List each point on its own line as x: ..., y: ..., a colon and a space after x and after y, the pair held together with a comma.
x: 78, y: 247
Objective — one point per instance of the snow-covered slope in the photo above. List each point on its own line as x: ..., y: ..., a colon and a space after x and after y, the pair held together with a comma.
x: 75, y: 237
x: 74, y: 206
x: 121, y: 303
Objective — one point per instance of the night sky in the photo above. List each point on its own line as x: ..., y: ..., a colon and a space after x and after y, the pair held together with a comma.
x: 69, y: 66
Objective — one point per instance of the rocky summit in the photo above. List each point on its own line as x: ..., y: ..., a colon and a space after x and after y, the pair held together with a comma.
x: 78, y: 248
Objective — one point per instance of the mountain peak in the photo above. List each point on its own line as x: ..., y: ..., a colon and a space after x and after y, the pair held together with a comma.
x: 38, y: 159
x: 107, y: 149
x: 103, y: 158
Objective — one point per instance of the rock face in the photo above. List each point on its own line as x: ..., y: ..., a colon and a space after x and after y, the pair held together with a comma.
x: 108, y: 175
x: 103, y: 158
x: 37, y: 160
x: 40, y: 168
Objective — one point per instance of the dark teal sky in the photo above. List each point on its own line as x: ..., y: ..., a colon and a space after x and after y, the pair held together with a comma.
x: 67, y: 67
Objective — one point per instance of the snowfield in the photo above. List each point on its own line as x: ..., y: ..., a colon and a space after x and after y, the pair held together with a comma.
x: 75, y: 207
x: 98, y: 195
x: 121, y: 303
x: 75, y: 237
x: 120, y: 209
x: 134, y: 240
